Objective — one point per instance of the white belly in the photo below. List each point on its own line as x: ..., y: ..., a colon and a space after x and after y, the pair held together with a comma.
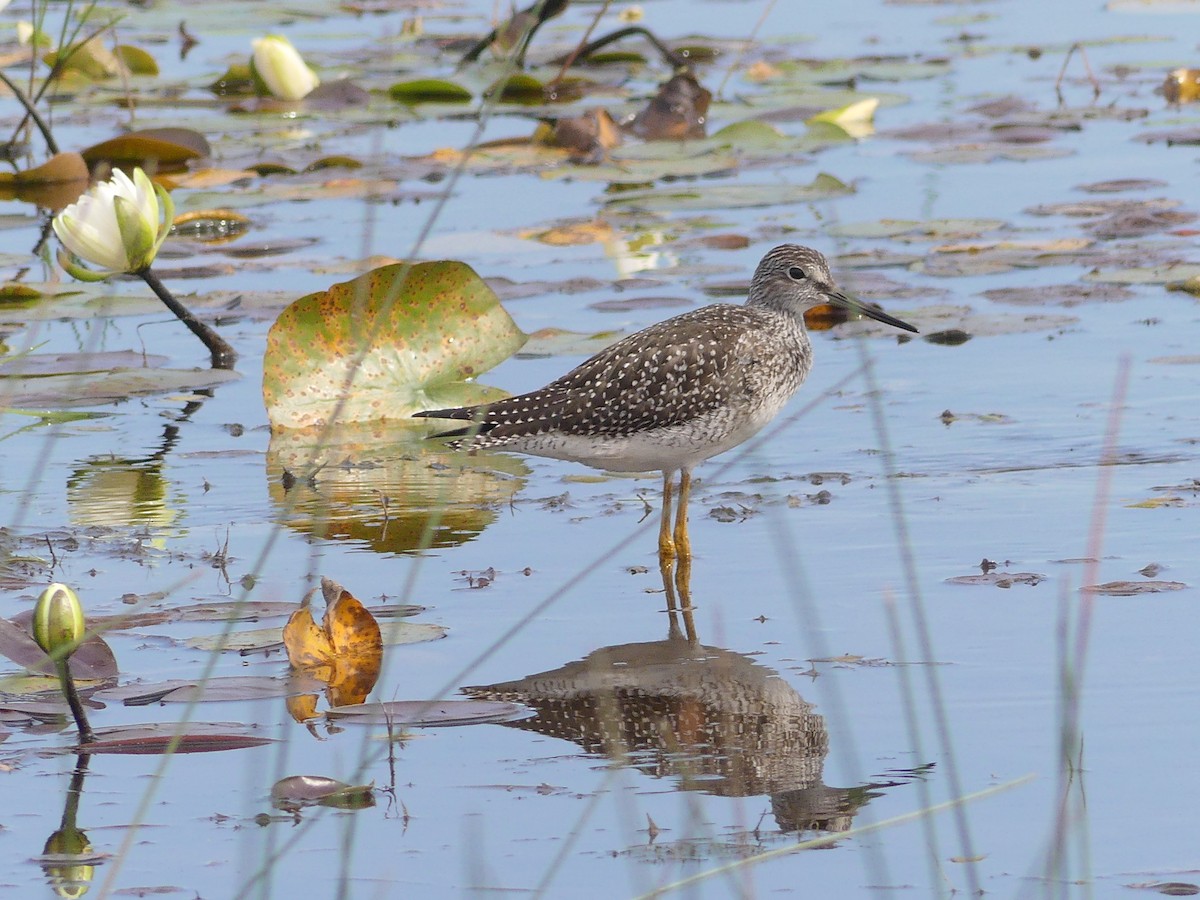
x: 662, y: 449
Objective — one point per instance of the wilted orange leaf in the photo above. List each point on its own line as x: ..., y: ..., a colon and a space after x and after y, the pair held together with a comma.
x: 307, y: 644
x: 345, y: 651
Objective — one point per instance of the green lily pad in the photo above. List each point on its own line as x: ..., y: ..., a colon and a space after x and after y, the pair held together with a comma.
x: 394, y: 341
x: 729, y: 196
x: 1146, y: 274
x: 518, y: 88
x: 911, y: 230
x: 429, y: 90
x: 136, y: 60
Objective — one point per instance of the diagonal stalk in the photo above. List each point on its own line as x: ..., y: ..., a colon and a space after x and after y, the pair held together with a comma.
x: 223, y: 355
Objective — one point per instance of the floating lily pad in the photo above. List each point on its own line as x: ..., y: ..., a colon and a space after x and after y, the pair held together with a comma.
x: 999, y: 579
x: 417, y: 334
x: 393, y: 634
x: 136, y: 60
x: 429, y: 90
x: 1131, y: 588
x: 194, y: 737
x: 909, y: 229
x: 428, y: 714
x: 1146, y: 274
x: 92, y: 660
x: 728, y: 196
x: 166, y: 147
x: 233, y: 687
x: 1068, y: 295
x: 95, y: 387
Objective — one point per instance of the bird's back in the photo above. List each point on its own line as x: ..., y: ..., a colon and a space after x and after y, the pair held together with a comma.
x: 705, y: 377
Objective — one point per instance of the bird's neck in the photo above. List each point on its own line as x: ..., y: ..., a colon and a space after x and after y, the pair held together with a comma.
x: 764, y: 301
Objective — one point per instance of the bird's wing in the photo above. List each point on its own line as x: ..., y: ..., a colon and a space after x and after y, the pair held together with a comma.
x: 666, y: 374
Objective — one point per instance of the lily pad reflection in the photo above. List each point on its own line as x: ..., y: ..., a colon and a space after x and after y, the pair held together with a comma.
x: 386, y: 487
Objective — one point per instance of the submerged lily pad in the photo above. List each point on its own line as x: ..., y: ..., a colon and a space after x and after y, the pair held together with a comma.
x: 298, y: 791
x: 389, y: 343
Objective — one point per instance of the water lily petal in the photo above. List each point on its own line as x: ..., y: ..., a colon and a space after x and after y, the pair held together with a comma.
x: 137, y: 233
x: 88, y: 229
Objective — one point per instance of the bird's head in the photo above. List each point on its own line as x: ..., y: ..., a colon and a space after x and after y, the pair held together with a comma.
x: 792, y: 279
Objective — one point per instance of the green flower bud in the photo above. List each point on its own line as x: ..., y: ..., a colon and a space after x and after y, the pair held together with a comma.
x: 58, y: 625
x: 281, y: 68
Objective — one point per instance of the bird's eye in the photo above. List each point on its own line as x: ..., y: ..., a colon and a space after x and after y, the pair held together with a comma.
x: 797, y: 274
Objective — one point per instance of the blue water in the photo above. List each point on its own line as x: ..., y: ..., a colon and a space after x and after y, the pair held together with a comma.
x: 490, y: 808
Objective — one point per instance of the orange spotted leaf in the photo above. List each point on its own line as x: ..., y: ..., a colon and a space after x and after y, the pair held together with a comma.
x: 399, y: 339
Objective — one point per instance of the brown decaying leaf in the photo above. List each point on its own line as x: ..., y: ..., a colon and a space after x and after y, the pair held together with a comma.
x: 590, y: 135
x: 168, y: 148
x: 677, y: 112
x: 345, y: 651
x: 55, y: 184
x: 1182, y: 86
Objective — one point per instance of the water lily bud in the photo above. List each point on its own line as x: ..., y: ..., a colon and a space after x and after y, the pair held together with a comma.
x: 58, y: 625
x: 282, y: 69
x: 118, y: 225
x: 69, y: 880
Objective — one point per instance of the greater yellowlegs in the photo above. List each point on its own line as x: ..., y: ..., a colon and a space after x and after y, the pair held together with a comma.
x: 672, y: 395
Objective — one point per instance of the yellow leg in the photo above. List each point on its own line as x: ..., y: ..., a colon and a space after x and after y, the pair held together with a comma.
x: 683, y: 544
x: 666, y: 547
x: 683, y: 584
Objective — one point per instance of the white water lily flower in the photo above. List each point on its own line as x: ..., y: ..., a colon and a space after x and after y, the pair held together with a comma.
x: 118, y: 225
x: 282, y: 68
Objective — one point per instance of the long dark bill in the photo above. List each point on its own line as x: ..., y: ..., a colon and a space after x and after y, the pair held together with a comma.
x: 837, y: 298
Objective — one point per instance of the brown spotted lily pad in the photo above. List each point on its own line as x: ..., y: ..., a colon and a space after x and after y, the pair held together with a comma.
x: 394, y: 341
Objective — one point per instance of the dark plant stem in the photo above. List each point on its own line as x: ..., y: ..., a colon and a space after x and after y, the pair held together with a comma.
x: 31, y: 112
x: 223, y: 355
x: 672, y: 58
x: 75, y: 791
x: 69, y: 691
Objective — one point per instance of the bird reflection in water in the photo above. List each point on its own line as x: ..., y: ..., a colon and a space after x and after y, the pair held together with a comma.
x: 713, y: 719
